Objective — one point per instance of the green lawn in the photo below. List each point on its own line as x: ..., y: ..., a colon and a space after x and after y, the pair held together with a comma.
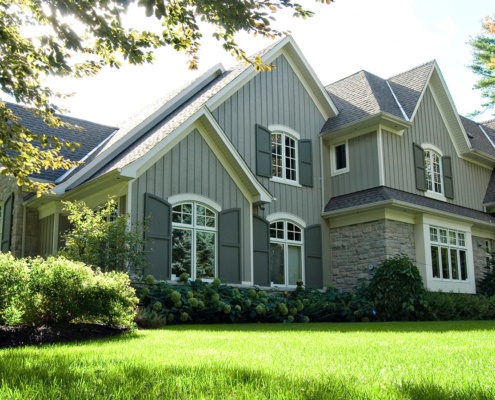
x: 444, y: 360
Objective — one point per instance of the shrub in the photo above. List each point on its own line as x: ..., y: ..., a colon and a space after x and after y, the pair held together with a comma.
x: 397, y: 291
x: 486, y: 285
x: 13, y: 289
x: 452, y: 306
x: 103, y: 239
x: 67, y: 291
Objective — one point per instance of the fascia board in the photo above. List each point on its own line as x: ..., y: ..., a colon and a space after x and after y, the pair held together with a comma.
x: 261, y: 194
x: 366, y: 125
x: 142, y: 128
x: 449, y: 112
x: 309, y: 79
x: 138, y: 167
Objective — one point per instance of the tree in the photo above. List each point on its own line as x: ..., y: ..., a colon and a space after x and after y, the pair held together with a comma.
x: 76, y: 38
x: 484, y: 62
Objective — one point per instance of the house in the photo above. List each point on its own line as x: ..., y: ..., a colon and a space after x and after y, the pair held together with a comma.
x: 270, y: 178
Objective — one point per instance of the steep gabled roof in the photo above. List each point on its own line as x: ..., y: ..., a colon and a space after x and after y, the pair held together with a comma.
x: 408, y: 86
x: 89, y: 136
x: 478, y: 136
x: 140, y: 136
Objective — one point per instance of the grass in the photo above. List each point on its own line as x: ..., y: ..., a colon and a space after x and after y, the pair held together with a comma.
x: 441, y: 360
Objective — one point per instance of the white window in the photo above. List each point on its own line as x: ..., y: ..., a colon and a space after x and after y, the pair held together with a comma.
x: 448, y: 254
x: 340, y: 158
x: 286, y: 253
x: 433, y: 169
x: 284, y: 157
x: 194, y: 240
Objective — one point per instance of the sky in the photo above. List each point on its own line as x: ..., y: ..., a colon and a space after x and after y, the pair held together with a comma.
x: 384, y: 37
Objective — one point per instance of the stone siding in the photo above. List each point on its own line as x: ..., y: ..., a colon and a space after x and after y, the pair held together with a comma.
x: 355, y: 248
x: 479, y: 256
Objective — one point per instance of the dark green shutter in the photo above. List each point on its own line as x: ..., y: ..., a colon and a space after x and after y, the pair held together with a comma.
x: 158, y: 236
x: 305, y: 163
x: 229, y: 245
x: 8, y: 206
x: 263, y: 151
x: 261, y: 251
x: 419, y: 167
x: 313, y: 260
x: 448, y: 180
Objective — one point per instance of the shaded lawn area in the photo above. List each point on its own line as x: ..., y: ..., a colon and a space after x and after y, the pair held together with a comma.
x: 420, y: 360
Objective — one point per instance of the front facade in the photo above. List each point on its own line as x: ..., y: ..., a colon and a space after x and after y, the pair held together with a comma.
x: 270, y: 178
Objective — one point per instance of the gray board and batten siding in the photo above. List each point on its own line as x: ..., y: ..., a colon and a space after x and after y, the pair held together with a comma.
x: 276, y: 98
x: 363, y: 167
x: 192, y: 167
x: 428, y: 127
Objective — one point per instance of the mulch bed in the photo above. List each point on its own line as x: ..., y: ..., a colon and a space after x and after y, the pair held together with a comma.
x: 23, y: 335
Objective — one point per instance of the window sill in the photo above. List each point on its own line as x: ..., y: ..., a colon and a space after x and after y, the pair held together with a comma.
x: 286, y: 182
x: 340, y: 172
x: 436, y: 196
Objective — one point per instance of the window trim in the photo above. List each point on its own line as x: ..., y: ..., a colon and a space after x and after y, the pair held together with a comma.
x: 287, y: 218
x: 424, y: 259
x: 195, y: 200
x: 333, y: 158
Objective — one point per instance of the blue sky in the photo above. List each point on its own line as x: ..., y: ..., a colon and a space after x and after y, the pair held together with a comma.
x: 384, y: 37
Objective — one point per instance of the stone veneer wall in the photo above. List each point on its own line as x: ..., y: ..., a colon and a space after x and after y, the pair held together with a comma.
x: 7, y: 186
x: 479, y: 256
x: 355, y: 247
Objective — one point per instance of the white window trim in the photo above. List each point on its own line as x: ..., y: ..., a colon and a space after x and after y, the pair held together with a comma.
x: 191, y: 197
x: 333, y: 158
x: 195, y: 199
x: 285, y: 130
x: 430, y: 193
x: 293, y: 219
x: 423, y: 255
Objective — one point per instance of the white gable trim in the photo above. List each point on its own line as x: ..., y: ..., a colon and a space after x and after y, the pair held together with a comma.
x: 230, y: 159
x: 310, y: 81
x: 141, y: 128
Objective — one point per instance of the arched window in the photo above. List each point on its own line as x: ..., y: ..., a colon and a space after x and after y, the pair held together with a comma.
x: 433, y: 169
x: 194, y: 240
x: 286, y: 253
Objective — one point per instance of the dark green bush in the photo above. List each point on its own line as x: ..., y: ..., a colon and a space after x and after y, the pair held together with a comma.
x: 486, y: 285
x: 397, y: 291
x: 14, y: 276
x: 458, y: 306
x: 200, y: 302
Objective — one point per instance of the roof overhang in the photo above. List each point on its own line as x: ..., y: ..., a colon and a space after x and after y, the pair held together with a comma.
x: 372, y: 123
x: 403, y: 206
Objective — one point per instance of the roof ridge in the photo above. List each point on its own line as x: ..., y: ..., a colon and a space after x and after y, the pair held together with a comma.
x: 412, y: 69
x: 344, y: 78
x: 487, y: 121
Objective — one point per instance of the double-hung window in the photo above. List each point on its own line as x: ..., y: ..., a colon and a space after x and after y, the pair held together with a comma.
x: 340, y: 158
x: 194, y: 240
x: 286, y: 253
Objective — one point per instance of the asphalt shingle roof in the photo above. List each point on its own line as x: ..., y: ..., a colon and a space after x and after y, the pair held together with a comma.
x: 171, y: 122
x: 384, y: 194
x: 363, y: 95
x: 476, y: 136
x: 89, y: 137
